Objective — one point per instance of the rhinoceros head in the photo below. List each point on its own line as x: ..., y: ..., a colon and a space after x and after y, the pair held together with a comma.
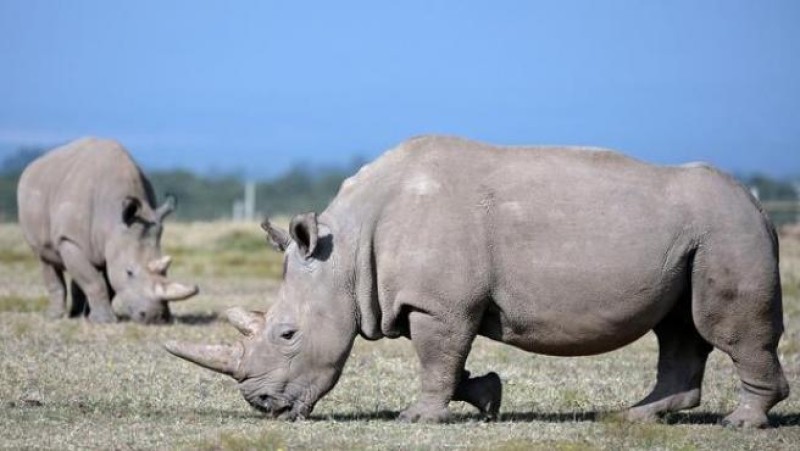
x: 292, y: 355
x: 136, y: 269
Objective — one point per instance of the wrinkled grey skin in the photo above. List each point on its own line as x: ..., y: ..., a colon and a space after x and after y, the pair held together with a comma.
x: 87, y: 209
x: 558, y: 251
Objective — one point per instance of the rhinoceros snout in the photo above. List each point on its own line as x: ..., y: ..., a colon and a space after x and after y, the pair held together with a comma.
x: 163, y: 317
x: 274, y: 407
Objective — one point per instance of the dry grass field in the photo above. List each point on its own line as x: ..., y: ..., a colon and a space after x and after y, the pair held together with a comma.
x: 68, y: 384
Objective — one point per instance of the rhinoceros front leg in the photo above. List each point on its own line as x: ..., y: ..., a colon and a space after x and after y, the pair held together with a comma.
x: 442, y: 349
x: 56, y: 290
x: 78, y: 307
x: 90, y: 280
x: 682, y: 358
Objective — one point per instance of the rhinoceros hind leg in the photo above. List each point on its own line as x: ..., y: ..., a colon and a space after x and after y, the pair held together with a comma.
x: 682, y: 358
x: 485, y: 393
x: 739, y: 310
x: 56, y: 290
x: 90, y: 280
x: 442, y: 349
x: 763, y: 386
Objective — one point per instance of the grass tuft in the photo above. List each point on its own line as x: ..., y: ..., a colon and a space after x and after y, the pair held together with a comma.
x: 235, y: 442
x: 240, y: 240
x: 13, y: 303
x: 16, y: 255
x: 554, y: 445
x: 230, y: 251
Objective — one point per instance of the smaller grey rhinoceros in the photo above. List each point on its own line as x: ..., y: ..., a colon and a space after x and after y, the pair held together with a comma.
x: 559, y: 251
x: 87, y: 208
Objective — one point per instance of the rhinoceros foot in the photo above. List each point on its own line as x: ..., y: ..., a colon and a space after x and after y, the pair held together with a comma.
x: 102, y: 316
x: 422, y: 413
x: 493, y: 397
x: 746, y: 417
x: 635, y: 415
x: 55, y: 312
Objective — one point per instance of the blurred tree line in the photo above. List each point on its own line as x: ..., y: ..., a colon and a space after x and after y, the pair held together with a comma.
x: 207, y: 197
x: 301, y: 189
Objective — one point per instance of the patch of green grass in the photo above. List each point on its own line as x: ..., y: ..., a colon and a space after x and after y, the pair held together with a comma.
x: 791, y: 288
x: 16, y: 255
x: 13, y: 303
x: 235, y: 442
x: 573, y: 399
x: 240, y: 240
x: 555, y: 445
x: 233, y: 263
x: 234, y: 253
x: 647, y: 435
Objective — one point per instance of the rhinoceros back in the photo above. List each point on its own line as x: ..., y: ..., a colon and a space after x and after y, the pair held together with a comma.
x: 76, y: 192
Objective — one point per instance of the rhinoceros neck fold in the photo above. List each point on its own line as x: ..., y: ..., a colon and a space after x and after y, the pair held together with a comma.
x: 368, y: 309
x: 359, y: 210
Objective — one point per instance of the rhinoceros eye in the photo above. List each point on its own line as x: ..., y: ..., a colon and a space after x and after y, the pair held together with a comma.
x: 129, y: 272
x: 283, y: 334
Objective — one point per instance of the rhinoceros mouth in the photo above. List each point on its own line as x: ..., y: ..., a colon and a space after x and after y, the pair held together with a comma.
x: 279, y: 408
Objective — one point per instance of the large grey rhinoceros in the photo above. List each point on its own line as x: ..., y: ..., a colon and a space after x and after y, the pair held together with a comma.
x: 87, y: 208
x: 558, y: 251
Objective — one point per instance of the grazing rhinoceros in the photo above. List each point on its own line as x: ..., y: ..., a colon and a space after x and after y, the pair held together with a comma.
x: 559, y: 251
x: 87, y: 208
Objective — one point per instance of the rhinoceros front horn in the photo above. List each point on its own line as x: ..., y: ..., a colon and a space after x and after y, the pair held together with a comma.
x: 220, y: 358
x: 248, y: 323
x: 174, y: 291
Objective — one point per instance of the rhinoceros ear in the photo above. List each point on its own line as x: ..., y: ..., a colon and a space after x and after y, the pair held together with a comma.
x: 303, y: 229
x: 166, y: 208
x: 277, y: 237
x: 130, y: 208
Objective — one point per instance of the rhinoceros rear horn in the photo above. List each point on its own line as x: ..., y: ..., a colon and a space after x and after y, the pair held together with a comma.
x: 160, y: 265
x: 277, y: 237
x: 220, y: 358
x: 248, y: 323
x: 174, y: 291
x: 166, y: 208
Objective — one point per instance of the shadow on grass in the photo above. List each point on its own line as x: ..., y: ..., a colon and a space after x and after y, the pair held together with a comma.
x: 698, y: 418
x: 775, y: 420
x: 116, y: 410
x: 196, y: 319
x: 686, y: 418
x: 391, y: 415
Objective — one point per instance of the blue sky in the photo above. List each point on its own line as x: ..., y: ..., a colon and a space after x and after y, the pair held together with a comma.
x: 256, y: 86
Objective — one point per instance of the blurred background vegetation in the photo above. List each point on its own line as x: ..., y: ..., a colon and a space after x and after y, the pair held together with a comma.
x: 209, y: 197
x: 310, y: 188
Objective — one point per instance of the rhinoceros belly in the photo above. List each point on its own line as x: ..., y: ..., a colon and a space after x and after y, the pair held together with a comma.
x: 569, y: 307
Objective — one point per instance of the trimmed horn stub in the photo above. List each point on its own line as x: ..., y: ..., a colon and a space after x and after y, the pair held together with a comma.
x: 166, y: 208
x: 246, y: 322
x: 160, y: 265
